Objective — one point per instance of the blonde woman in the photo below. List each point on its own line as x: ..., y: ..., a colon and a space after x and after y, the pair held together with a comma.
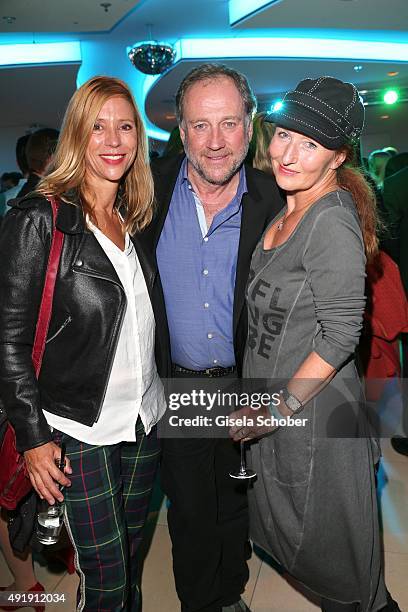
x: 99, y: 390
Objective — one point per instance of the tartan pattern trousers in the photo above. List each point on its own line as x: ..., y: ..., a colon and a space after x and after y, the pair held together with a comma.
x: 106, y: 509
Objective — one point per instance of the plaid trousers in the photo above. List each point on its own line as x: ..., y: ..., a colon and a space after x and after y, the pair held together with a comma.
x: 106, y: 508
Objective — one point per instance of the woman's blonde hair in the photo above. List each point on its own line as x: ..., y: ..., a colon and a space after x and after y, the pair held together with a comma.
x: 68, y: 170
x: 261, y: 139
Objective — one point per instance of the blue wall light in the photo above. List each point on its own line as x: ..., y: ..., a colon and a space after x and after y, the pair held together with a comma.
x: 242, y: 9
x: 292, y: 47
x: 40, y: 53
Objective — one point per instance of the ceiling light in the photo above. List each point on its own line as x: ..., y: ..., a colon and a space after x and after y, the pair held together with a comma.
x: 276, y: 106
x: 391, y: 96
x: 358, y: 68
x: 40, y: 53
x: 152, y: 57
x: 384, y: 117
x: 290, y: 47
x: 392, y: 73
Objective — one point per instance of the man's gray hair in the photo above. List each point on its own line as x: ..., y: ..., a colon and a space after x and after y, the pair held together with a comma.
x: 207, y: 72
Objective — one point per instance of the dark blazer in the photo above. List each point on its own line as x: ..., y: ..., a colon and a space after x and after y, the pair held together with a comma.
x: 88, y: 309
x: 395, y: 196
x: 262, y: 202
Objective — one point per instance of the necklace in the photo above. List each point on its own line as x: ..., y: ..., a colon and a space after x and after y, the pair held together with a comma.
x: 281, y: 223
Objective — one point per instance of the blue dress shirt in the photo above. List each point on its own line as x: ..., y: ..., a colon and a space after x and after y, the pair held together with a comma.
x: 197, y: 269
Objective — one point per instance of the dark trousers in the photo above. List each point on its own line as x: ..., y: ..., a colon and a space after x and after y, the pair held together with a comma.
x: 106, y: 508
x: 208, y: 522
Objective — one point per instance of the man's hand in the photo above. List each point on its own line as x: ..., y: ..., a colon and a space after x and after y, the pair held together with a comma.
x: 43, y: 472
x: 250, y: 423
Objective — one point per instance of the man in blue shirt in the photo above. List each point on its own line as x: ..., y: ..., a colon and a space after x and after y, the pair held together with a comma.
x: 211, y: 212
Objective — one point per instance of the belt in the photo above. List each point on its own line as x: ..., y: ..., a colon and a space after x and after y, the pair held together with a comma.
x: 210, y: 372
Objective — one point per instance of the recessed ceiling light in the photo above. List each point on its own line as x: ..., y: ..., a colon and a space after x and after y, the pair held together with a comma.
x: 392, y: 73
x: 358, y: 68
x: 384, y: 117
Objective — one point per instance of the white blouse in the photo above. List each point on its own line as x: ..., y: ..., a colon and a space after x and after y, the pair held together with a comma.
x: 134, y: 388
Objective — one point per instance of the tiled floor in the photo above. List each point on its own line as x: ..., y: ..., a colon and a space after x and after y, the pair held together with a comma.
x: 266, y: 591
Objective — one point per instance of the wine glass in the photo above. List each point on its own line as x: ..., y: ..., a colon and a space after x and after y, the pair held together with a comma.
x: 243, y: 473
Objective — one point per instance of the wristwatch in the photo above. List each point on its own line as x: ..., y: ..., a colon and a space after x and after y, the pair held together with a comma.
x: 291, y: 401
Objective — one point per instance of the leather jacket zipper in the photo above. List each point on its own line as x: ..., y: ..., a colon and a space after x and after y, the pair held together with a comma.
x: 110, y: 368
x: 59, y: 330
x: 118, y: 284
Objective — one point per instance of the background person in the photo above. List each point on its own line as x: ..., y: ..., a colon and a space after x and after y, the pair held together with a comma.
x: 98, y: 388
x: 313, y: 505
x: 21, y: 160
x: 377, y: 161
x: 258, y: 153
x: 396, y: 206
x: 39, y: 150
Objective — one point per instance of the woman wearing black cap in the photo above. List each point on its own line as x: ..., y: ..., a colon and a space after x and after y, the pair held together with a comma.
x: 313, y: 505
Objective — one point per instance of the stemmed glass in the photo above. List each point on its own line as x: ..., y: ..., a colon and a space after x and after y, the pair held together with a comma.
x: 244, y: 473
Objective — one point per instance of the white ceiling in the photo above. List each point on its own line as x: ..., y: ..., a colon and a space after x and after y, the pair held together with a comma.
x: 49, y: 88
x: 340, y: 14
x: 62, y: 16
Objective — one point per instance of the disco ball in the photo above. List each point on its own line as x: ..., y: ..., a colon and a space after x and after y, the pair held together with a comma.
x: 152, y: 57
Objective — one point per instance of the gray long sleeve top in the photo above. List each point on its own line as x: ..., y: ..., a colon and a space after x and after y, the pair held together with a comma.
x: 308, y: 293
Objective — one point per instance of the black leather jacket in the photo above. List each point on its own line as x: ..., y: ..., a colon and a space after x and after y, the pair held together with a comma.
x: 88, y: 310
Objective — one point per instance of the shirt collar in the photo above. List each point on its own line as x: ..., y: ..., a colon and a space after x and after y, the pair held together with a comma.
x: 242, y: 184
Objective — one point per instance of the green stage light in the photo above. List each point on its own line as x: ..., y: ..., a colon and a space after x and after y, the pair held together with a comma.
x: 391, y: 96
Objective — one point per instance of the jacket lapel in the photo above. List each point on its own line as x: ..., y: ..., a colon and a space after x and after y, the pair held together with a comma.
x: 148, y: 268
x: 165, y: 173
x: 256, y: 212
x: 90, y: 259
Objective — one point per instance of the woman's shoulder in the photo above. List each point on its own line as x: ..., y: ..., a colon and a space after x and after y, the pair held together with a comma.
x: 340, y: 198
x: 337, y: 204
x: 32, y: 207
x: 31, y: 213
x: 333, y: 220
x: 33, y: 201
